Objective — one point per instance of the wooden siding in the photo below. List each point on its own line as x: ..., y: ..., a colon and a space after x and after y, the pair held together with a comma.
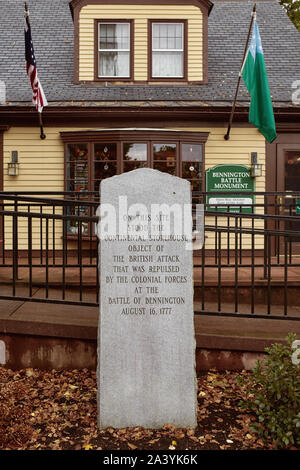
x: 42, y: 166
x: 243, y: 141
x: 140, y: 16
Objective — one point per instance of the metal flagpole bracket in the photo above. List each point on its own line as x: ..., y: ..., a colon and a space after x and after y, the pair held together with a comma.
x: 42, y: 135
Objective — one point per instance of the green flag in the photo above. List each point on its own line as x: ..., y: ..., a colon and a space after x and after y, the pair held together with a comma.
x: 255, y: 77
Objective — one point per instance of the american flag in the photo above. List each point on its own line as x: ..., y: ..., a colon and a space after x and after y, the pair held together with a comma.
x: 38, y: 97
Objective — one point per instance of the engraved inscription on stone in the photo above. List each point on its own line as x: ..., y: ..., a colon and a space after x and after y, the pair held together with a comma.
x: 146, y: 344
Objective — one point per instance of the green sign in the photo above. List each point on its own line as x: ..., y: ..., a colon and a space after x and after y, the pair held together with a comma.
x: 298, y: 206
x: 230, y: 181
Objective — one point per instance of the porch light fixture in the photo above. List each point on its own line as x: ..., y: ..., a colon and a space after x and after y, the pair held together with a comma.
x: 13, y: 165
x: 256, y: 168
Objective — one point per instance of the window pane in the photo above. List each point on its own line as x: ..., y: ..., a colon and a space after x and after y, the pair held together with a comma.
x: 178, y: 32
x: 155, y: 43
x: 292, y: 170
x: 105, y: 164
x: 191, y: 170
x: 163, y: 42
x: 171, y: 29
x: 159, y: 30
x: 167, y: 167
x: 164, y: 156
x: 77, y: 167
x: 178, y: 43
x: 114, y: 64
x: 191, y: 153
x: 196, y: 185
x: 164, y: 152
x: 73, y: 225
x: 137, y: 152
x: 167, y: 64
x: 167, y: 36
x: 134, y: 156
x: 171, y: 43
x: 105, y: 170
x: 105, y: 152
x: 129, y: 166
x: 77, y: 152
x: 77, y: 185
x: 114, y: 36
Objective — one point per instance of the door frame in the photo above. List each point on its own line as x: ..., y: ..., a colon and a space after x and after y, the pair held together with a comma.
x: 272, y: 150
x: 1, y: 176
x: 1, y: 159
x: 287, y: 138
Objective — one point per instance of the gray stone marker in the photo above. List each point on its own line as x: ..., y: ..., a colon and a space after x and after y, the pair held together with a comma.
x: 146, y: 343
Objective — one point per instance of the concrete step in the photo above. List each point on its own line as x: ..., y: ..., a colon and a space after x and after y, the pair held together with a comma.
x: 64, y: 336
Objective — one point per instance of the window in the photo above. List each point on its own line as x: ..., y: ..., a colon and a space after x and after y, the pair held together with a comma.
x: 77, y: 167
x: 134, y: 156
x: 105, y: 163
x: 114, y: 49
x: 92, y: 156
x: 191, y: 161
x: 164, y: 157
x: 168, y: 49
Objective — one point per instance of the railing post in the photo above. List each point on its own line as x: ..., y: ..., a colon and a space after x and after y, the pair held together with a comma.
x: 15, y: 244
x: 266, y: 239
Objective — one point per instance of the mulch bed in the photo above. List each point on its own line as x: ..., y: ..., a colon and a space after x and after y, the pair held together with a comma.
x: 58, y: 410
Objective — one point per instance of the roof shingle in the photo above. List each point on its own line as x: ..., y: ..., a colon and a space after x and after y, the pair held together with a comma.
x: 52, y: 32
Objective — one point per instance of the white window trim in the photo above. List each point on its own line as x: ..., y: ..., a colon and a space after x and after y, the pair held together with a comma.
x: 169, y: 50
x: 113, y: 50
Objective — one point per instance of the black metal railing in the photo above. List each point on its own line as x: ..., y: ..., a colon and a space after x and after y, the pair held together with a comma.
x: 41, y: 259
x: 249, y: 264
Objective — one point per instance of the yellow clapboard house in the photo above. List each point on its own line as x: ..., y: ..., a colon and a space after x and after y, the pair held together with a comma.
x: 139, y: 83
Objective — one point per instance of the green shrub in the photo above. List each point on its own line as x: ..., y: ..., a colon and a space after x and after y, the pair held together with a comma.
x: 273, y: 394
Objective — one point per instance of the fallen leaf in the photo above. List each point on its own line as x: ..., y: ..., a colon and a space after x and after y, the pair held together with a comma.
x: 132, y: 446
x: 88, y: 447
x: 29, y: 372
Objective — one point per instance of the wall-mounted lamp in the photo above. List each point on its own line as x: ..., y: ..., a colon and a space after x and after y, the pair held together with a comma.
x: 13, y: 165
x: 256, y: 168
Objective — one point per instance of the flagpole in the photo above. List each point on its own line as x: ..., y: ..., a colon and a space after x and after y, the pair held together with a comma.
x: 253, y: 14
x: 42, y: 134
